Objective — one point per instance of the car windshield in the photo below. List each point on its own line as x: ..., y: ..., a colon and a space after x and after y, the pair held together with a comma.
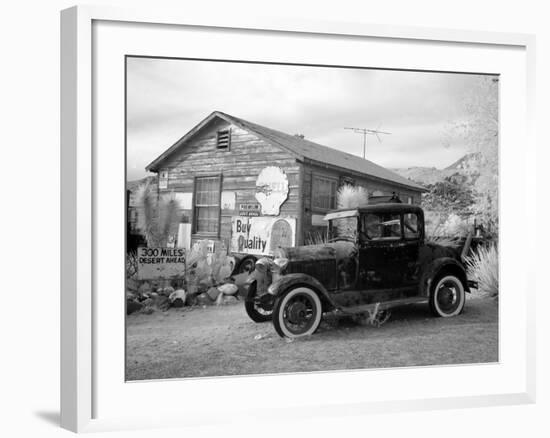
x: 343, y: 228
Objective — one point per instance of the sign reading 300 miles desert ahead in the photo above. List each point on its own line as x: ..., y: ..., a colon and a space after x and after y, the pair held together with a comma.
x: 160, y: 263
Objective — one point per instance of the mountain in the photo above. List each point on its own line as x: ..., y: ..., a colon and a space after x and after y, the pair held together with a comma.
x: 431, y: 175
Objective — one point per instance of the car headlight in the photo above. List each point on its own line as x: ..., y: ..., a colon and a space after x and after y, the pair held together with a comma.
x: 280, y: 264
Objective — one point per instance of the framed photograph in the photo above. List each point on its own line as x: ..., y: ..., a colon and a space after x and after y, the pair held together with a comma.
x: 253, y: 206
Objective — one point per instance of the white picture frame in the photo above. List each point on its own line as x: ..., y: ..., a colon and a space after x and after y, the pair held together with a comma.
x: 83, y: 371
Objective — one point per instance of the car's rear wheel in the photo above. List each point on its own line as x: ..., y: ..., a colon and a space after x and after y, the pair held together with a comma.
x: 447, y: 297
x: 258, y: 307
x: 297, y: 312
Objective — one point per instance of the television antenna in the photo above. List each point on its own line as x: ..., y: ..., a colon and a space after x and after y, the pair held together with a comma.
x: 366, y: 132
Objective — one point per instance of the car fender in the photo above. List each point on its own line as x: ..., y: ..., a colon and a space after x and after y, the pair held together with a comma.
x: 435, y: 268
x: 262, y: 278
x: 284, y: 282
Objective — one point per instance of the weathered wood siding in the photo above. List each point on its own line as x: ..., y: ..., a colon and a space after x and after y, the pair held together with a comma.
x: 373, y: 186
x: 239, y: 167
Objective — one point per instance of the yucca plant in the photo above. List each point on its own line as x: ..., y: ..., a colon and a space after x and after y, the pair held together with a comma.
x: 352, y: 196
x: 483, y: 267
x: 157, y: 218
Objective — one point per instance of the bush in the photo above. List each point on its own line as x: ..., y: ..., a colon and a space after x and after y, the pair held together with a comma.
x: 352, y: 196
x: 483, y: 267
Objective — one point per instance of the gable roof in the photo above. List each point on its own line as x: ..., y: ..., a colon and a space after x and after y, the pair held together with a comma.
x: 302, y: 149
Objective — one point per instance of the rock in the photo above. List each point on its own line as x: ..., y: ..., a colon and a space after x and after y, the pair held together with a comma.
x: 144, y: 288
x: 168, y: 291
x: 204, y: 300
x: 213, y: 293
x: 162, y: 303
x: 178, y: 302
x: 191, y: 299
x: 219, y: 300
x: 132, y: 284
x: 229, y: 299
x: 228, y: 289
x: 132, y: 306
x: 178, y: 294
x: 148, y: 302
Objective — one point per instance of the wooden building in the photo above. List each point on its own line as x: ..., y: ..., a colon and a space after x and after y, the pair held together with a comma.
x: 237, y: 182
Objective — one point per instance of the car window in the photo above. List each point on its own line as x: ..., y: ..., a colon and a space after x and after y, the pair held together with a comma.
x: 381, y: 226
x: 410, y: 226
x: 343, y: 228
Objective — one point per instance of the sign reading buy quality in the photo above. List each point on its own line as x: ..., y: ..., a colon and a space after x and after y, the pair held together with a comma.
x: 160, y: 263
x: 261, y: 235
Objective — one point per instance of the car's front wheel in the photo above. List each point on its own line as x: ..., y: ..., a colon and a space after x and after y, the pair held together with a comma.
x: 447, y: 297
x: 258, y: 307
x: 297, y: 312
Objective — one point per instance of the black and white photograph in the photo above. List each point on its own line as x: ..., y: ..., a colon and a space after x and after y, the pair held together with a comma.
x: 285, y: 218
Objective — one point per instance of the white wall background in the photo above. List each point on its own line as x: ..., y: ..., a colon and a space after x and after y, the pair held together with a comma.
x: 29, y: 315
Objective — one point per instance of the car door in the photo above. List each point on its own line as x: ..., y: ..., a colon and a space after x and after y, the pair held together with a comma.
x: 412, y: 240
x: 381, y: 261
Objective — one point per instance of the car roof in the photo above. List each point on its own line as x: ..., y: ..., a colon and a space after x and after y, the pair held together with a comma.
x: 389, y: 207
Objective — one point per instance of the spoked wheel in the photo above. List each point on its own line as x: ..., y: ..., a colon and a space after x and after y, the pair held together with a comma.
x: 447, y: 297
x: 297, y: 313
x: 247, y: 265
x: 259, y: 308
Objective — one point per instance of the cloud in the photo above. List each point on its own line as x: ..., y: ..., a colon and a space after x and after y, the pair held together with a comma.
x: 166, y: 98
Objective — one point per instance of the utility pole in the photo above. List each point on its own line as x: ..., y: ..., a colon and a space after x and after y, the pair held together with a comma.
x: 366, y: 132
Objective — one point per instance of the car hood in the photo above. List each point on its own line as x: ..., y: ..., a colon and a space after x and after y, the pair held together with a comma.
x: 315, y: 253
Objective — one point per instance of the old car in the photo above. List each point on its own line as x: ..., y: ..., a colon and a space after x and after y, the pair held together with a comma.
x: 375, y: 257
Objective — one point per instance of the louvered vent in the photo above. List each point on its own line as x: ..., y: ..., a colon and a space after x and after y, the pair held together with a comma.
x: 224, y: 139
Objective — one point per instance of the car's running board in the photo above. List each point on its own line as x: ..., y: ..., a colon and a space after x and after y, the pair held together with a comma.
x: 382, y: 306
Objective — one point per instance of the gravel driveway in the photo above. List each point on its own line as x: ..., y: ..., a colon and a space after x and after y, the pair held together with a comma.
x: 214, y: 341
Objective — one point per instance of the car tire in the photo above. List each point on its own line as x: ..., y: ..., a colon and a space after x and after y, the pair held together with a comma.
x: 447, y: 297
x: 246, y: 265
x: 297, y: 312
x: 255, y: 312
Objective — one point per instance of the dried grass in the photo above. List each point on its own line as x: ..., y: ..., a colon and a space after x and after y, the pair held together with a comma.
x: 483, y: 267
x: 316, y: 238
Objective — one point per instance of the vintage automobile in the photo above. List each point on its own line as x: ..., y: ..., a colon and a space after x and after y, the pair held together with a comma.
x: 375, y: 257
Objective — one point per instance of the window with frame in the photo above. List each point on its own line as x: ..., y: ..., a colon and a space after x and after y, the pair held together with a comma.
x: 323, y: 192
x: 411, y: 227
x: 207, y: 204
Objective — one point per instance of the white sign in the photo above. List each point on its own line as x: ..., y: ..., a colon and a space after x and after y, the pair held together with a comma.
x: 261, y: 235
x: 229, y: 200
x: 271, y: 190
x: 160, y: 263
x: 185, y: 200
x: 163, y: 179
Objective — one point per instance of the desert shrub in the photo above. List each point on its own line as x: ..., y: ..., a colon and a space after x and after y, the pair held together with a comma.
x: 131, y: 264
x: 316, y: 238
x: 158, y: 218
x: 483, y: 267
x: 352, y: 196
x: 205, y: 269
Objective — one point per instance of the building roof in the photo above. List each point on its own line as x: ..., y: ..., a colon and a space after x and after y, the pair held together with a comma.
x: 303, y: 149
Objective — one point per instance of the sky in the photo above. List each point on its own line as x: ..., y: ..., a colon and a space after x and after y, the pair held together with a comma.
x: 166, y: 98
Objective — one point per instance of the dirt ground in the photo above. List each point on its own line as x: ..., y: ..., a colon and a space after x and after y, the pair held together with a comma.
x: 222, y: 341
